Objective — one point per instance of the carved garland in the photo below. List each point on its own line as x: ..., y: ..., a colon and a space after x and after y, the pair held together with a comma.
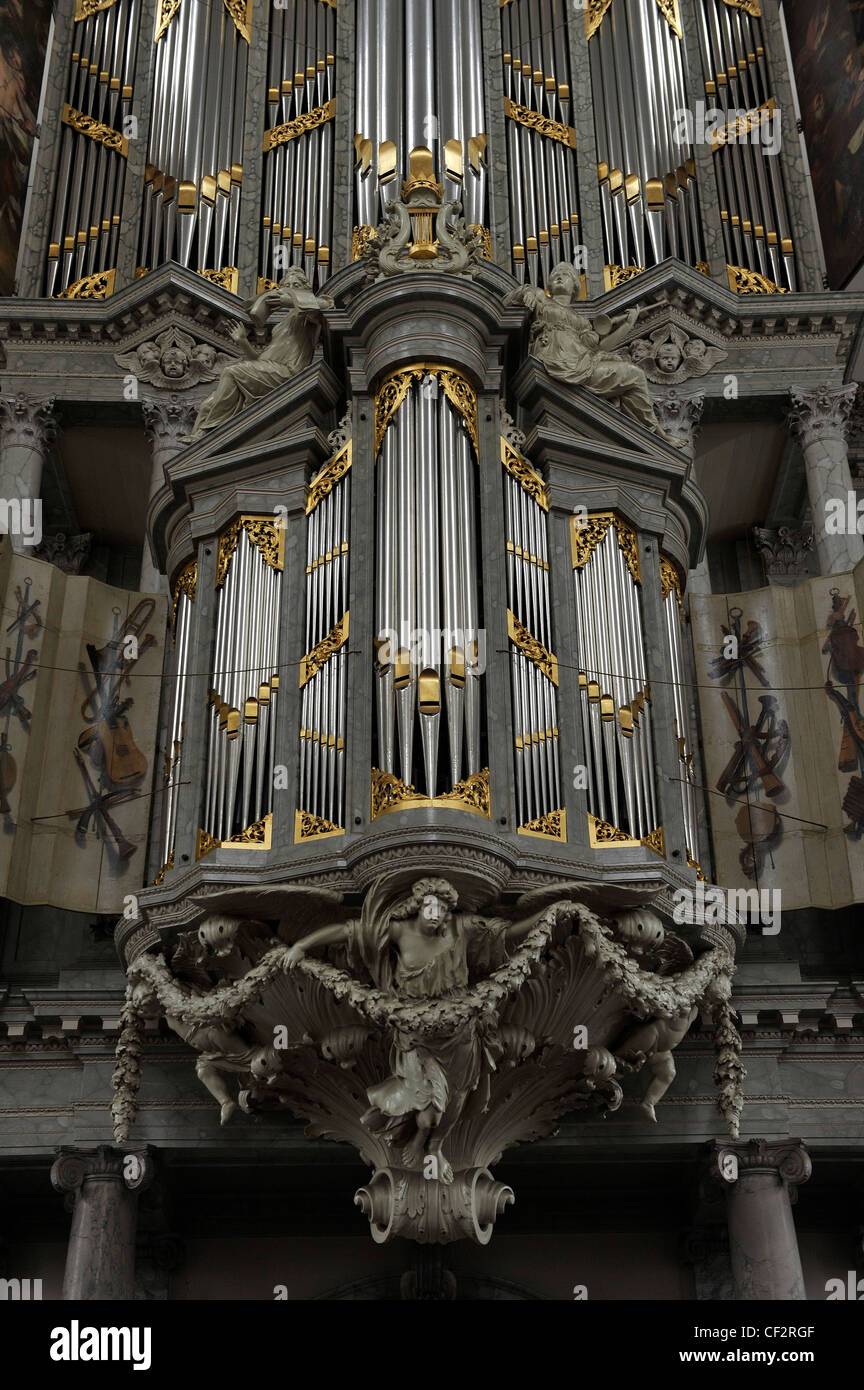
x: 552, y: 826
x: 393, y: 390
x: 309, y: 120
x: 532, y: 648
x: 309, y: 827
x: 602, y: 835
x: 595, y: 13
x: 84, y: 8
x: 325, y: 481
x: 525, y: 475
x: 185, y: 583
x: 258, y: 835
x: 535, y: 120
x: 98, y: 286
x: 751, y: 7
x: 586, y: 534
x: 669, y: 579
x: 95, y: 130
x: 389, y: 793
x: 744, y: 281
x: 266, y: 535
x: 239, y: 11
x: 322, y: 652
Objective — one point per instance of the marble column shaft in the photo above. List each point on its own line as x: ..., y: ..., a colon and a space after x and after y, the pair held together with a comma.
x: 167, y: 420
x: 763, y: 1243
x: 819, y: 419
x: 27, y: 429
x: 104, y: 1183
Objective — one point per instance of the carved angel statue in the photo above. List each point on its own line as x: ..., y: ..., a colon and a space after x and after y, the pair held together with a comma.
x: 569, y: 346
x: 289, y: 351
x: 651, y: 1043
x: 419, y: 947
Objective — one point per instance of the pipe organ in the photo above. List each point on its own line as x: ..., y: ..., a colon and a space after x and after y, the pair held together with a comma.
x: 195, y: 150
x: 91, y: 174
x: 181, y: 633
x: 533, y: 667
x: 541, y: 142
x: 298, y: 146
x: 419, y: 84
x: 220, y: 73
x: 430, y: 722
x: 648, y: 188
x: 614, y: 694
x: 754, y: 209
x: 673, y: 617
x: 392, y: 706
x: 324, y: 668
x: 238, y: 800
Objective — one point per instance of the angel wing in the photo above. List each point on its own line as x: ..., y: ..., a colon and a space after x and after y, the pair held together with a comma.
x: 298, y: 908
x: 602, y: 898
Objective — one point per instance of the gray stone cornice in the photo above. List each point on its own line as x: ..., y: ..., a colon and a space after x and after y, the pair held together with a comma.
x: 424, y: 317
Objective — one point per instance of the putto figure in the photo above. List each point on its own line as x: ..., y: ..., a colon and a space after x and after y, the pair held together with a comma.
x: 289, y: 351
x: 420, y: 948
x: 569, y: 346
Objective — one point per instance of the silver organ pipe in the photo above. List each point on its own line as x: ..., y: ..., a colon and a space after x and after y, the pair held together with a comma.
x: 181, y: 628
x: 297, y: 212
x: 647, y: 173
x: 533, y: 667
x: 419, y: 84
x: 88, y: 200
x: 673, y: 615
x: 430, y: 652
x: 324, y: 670
x: 238, y: 797
x: 614, y: 698
x: 754, y: 207
x: 195, y: 148
x: 541, y: 142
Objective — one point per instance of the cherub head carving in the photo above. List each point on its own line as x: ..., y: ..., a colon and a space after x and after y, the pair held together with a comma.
x: 670, y: 356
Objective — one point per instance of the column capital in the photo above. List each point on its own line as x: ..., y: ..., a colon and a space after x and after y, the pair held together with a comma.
x: 679, y: 416
x: 786, y: 1159
x: 821, y: 412
x: 26, y: 422
x: 74, y: 1166
x: 167, y: 419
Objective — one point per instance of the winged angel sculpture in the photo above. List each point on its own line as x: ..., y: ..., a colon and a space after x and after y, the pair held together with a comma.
x: 428, y: 1035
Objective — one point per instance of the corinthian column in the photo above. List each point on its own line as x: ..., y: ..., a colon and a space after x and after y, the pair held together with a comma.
x: 27, y: 429
x: 103, y: 1184
x: 167, y: 419
x: 760, y: 1179
x: 819, y: 419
